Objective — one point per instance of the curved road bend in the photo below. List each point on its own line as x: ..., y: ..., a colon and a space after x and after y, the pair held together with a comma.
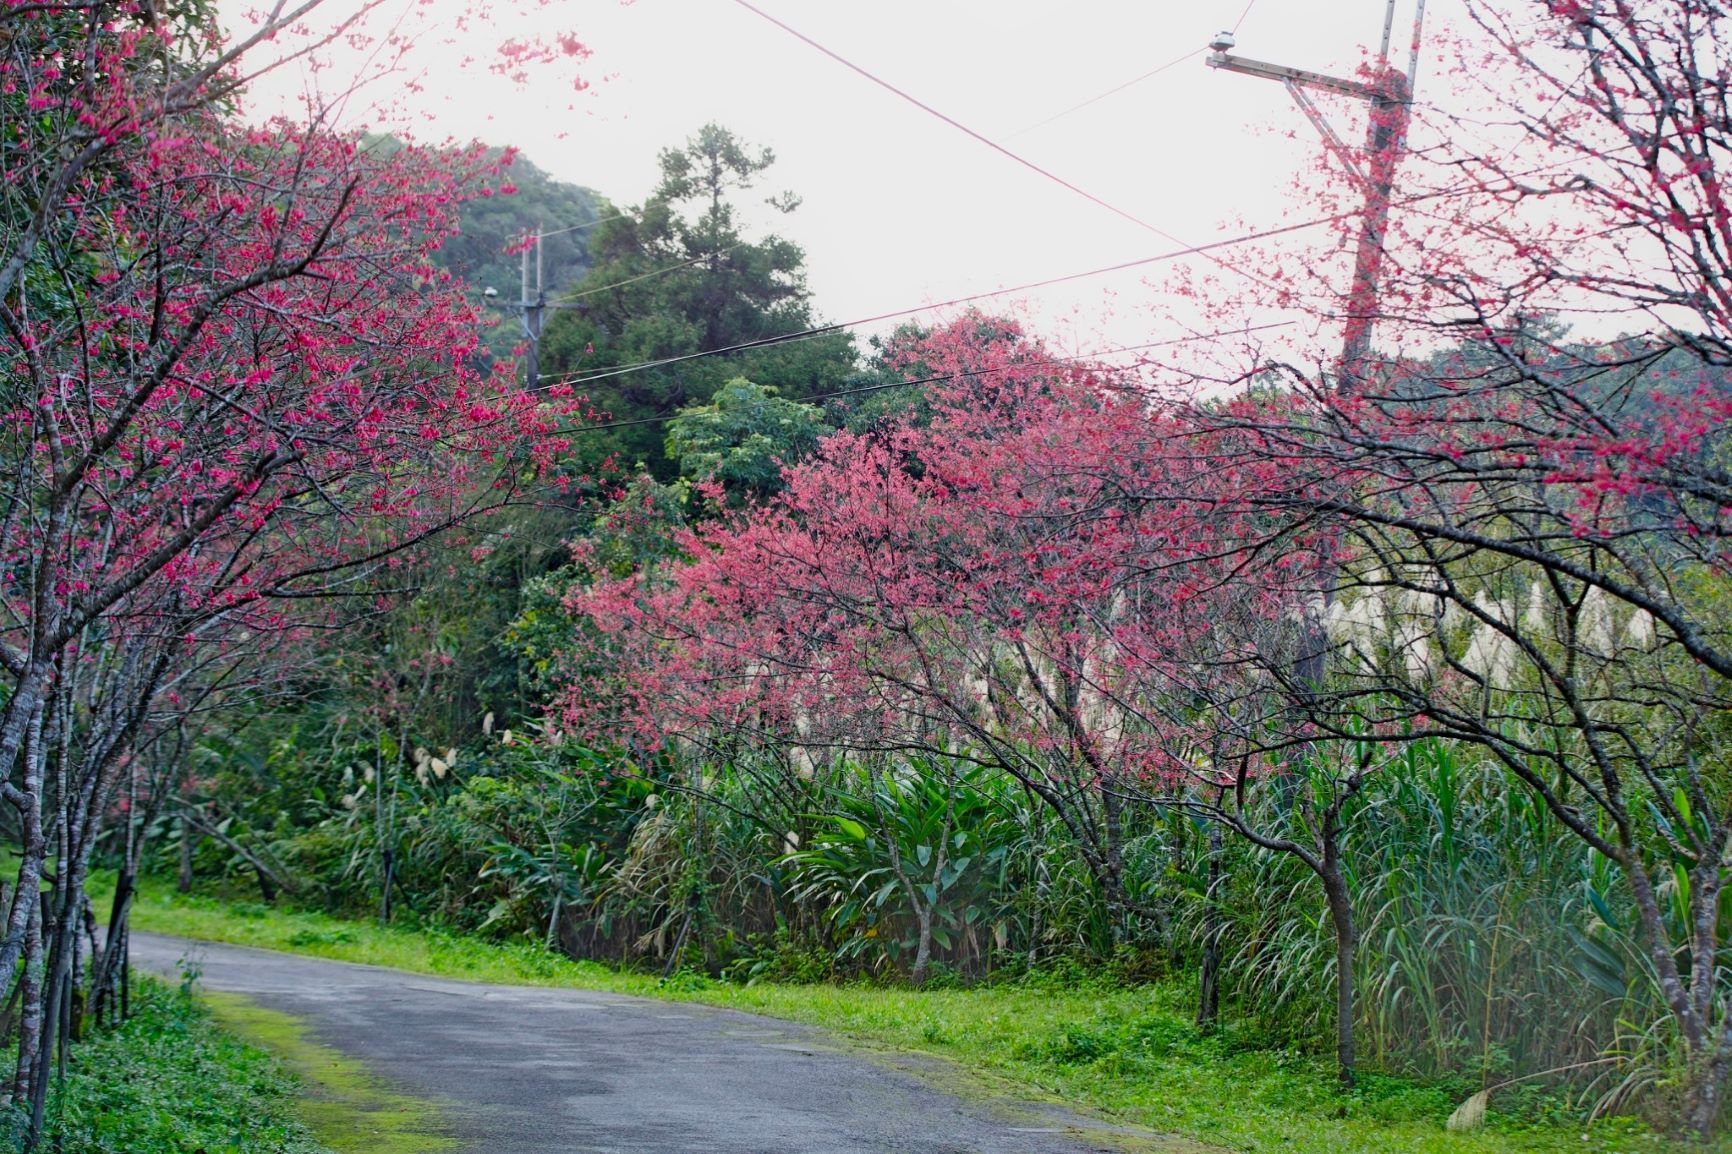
x: 527, y: 1070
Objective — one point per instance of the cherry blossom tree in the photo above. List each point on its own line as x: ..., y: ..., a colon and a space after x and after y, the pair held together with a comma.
x: 980, y: 578
x: 1527, y: 530
x: 237, y: 392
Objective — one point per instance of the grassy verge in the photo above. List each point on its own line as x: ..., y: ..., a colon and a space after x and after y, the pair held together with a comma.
x: 169, y: 1081
x: 1129, y: 1052
x: 343, y: 1105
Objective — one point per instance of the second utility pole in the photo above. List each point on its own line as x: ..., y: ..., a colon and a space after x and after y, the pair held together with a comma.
x: 534, y: 306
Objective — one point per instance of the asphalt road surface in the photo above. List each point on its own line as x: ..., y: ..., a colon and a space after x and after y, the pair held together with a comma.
x: 525, y: 1070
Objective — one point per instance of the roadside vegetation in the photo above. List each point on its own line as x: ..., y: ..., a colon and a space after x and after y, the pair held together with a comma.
x: 1094, y: 1040
x: 168, y: 1080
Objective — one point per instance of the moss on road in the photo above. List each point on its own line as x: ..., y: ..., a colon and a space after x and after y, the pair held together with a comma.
x: 344, y: 1106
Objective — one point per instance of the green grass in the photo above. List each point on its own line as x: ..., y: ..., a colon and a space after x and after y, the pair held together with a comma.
x: 1129, y: 1053
x: 169, y: 1081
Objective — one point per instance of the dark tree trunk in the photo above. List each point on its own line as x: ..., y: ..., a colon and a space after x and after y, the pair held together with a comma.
x: 1208, y: 980
x: 1113, y: 876
x: 105, y: 966
x: 185, y: 881
x: 1346, y: 943
x: 267, y: 888
x: 389, y: 872
x: 54, y: 1012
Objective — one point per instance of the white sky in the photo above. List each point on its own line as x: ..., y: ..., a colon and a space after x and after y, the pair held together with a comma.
x: 899, y: 208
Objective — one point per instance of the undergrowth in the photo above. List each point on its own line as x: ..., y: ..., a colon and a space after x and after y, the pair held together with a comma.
x: 168, y: 1081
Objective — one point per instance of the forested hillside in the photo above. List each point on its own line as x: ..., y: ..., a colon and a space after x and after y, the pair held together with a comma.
x: 490, y: 231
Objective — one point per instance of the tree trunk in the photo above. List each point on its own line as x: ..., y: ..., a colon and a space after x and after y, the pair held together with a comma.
x: 9, y: 1016
x: 1114, y: 875
x: 1346, y: 941
x: 26, y: 898
x: 185, y: 882
x: 30, y: 1021
x: 267, y: 888
x: 388, y: 871
x: 1709, y: 1061
x: 1042, y: 890
x: 1705, y: 1095
x: 54, y: 1011
x: 923, y: 950
x: 105, y: 965
x: 1702, y: 1099
x: 1208, y: 979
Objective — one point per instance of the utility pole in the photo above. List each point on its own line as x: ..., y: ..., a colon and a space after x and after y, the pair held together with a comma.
x: 534, y: 307
x: 1390, y: 94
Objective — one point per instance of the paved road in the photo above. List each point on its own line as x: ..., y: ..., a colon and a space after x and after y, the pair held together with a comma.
x: 523, y: 1070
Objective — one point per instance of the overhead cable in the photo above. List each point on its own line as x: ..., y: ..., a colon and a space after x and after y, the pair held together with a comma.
x: 956, y: 124
x: 1113, y: 91
x: 586, y: 224
x: 1071, y: 360
x: 820, y: 330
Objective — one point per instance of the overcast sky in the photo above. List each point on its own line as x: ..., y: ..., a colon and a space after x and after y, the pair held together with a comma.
x: 899, y: 208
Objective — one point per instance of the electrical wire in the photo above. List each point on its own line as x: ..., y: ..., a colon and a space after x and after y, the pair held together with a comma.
x: 581, y: 227
x: 1200, y: 249
x: 957, y: 124
x: 1114, y: 91
x: 1135, y: 80
x: 655, y: 272
x: 992, y: 144
x: 1072, y: 360
x: 821, y: 330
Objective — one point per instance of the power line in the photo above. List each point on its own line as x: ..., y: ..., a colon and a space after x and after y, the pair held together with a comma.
x: 820, y: 330
x: 1132, y: 82
x: 589, y: 224
x: 1189, y: 250
x: 957, y: 124
x: 655, y: 272
x: 656, y: 420
x: 1202, y: 249
x: 992, y: 144
x: 1114, y: 91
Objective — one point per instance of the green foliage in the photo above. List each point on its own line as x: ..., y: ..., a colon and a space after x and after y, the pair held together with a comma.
x: 946, y: 835
x: 1491, y: 946
x: 528, y: 829
x: 679, y: 277
x: 486, y: 252
x: 634, y: 533
x: 537, y: 203
x: 168, y: 1081
x: 1478, y: 922
x: 742, y: 438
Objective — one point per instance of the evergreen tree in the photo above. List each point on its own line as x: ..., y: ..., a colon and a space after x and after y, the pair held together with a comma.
x: 679, y: 277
